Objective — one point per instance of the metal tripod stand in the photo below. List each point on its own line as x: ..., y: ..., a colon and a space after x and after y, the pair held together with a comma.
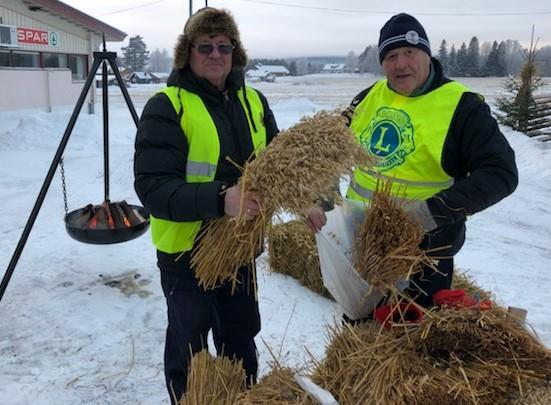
x: 100, y: 58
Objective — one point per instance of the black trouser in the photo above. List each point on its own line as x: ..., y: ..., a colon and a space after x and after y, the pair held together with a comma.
x: 192, y: 312
x: 425, y: 283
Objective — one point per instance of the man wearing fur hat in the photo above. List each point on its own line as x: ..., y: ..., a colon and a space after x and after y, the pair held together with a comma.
x: 187, y: 135
x: 434, y: 138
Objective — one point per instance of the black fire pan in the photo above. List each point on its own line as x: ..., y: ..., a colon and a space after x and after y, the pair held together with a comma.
x: 78, y: 230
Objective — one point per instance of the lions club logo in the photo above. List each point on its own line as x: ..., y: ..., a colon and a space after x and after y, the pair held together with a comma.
x: 389, y: 137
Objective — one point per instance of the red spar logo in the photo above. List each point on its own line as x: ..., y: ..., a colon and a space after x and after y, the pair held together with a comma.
x: 30, y: 36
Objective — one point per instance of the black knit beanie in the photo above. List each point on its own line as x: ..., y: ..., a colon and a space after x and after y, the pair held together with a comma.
x: 402, y: 30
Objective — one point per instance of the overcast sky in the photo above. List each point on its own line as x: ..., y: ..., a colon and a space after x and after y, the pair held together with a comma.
x: 287, y: 28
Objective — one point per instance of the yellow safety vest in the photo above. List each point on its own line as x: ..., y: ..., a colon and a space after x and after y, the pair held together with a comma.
x: 407, y: 136
x: 202, y: 160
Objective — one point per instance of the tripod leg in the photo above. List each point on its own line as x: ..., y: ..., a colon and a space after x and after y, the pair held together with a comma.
x: 48, y: 179
x: 124, y: 91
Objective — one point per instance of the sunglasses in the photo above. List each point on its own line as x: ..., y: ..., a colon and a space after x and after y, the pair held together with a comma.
x: 207, y: 49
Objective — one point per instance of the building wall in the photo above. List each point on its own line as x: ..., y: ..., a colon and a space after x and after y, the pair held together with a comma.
x: 44, y: 88
x: 47, y: 89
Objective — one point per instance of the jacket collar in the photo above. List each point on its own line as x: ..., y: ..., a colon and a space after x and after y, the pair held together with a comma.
x: 187, y: 80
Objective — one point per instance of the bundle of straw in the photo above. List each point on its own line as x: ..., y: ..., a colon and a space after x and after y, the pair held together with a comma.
x: 301, y: 165
x: 364, y: 365
x: 386, y: 246
x: 462, y: 280
x: 213, y: 380
x: 538, y: 394
x: 471, y: 335
x: 292, y: 251
x: 276, y: 388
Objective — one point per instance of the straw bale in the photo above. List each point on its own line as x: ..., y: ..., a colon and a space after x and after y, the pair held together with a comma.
x: 452, y: 356
x: 276, y: 388
x: 301, y: 165
x: 497, y: 356
x: 364, y: 364
x: 213, y: 380
x: 462, y: 280
x: 386, y: 246
x: 535, y: 395
x: 473, y: 334
x: 292, y: 251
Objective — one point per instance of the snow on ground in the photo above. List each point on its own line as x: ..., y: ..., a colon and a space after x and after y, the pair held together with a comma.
x: 84, y: 324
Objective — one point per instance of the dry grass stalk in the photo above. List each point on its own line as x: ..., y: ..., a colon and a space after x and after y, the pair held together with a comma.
x: 276, y: 388
x: 386, y: 246
x: 301, y: 165
x: 490, y: 335
x: 497, y: 356
x: 213, y: 380
x: 292, y: 251
x: 538, y: 394
x: 364, y: 365
x: 452, y: 356
x: 465, y: 282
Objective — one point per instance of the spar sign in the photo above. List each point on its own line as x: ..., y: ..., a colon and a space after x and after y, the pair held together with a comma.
x: 37, y: 37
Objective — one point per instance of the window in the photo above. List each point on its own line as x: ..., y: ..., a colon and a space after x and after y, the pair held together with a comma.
x: 55, y: 60
x: 4, y: 58
x: 26, y: 59
x: 77, y: 64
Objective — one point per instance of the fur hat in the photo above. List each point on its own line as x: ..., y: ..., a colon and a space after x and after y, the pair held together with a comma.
x: 210, y: 21
x: 402, y: 30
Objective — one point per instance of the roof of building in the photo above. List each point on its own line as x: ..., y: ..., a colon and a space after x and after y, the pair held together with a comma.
x: 274, y: 68
x: 334, y: 66
x: 257, y: 72
x: 141, y: 75
x: 59, y: 9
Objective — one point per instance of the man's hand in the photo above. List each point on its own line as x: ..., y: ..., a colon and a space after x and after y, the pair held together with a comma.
x: 315, y: 218
x: 237, y: 205
x: 419, y: 210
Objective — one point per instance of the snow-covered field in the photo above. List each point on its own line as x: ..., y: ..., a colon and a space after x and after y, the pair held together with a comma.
x: 85, y: 324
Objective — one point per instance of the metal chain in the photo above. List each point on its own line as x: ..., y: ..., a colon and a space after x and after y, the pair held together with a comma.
x: 64, y: 186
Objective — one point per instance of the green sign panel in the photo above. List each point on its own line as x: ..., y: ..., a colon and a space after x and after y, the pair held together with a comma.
x: 54, y: 39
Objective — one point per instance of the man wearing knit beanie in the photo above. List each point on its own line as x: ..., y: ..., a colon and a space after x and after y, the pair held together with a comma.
x: 436, y: 141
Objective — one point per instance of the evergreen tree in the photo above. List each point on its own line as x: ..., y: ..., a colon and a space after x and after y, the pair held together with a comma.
x: 351, y: 62
x: 160, y: 61
x: 501, y: 65
x: 135, y: 55
x: 491, y: 66
x: 452, y: 62
x: 520, y: 109
x: 443, y: 56
x: 544, y: 61
x: 293, y: 68
x: 473, y: 58
x: 461, y: 61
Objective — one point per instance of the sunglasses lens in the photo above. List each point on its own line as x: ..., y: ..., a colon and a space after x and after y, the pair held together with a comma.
x: 207, y: 49
x: 225, y: 49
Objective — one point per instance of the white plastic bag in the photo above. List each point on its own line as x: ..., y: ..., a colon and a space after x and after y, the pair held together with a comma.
x: 334, y: 243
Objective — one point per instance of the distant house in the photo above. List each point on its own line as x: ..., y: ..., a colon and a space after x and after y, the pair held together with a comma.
x: 111, y: 80
x: 259, y: 75
x: 276, y: 70
x: 141, y: 78
x: 159, y: 77
x: 333, y: 68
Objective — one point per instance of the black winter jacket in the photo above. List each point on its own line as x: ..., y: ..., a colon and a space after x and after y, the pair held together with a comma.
x: 478, y: 157
x: 161, y: 150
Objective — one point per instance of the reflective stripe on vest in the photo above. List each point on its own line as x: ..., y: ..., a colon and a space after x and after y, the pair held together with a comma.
x: 202, y: 160
x: 407, y: 136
